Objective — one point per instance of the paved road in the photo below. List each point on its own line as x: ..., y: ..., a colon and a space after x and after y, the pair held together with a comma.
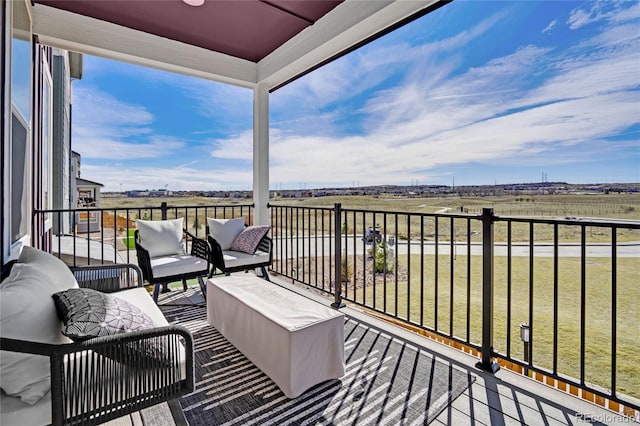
x: 308, y: 247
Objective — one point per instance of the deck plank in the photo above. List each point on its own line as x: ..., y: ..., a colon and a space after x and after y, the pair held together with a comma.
x: 506, y: 398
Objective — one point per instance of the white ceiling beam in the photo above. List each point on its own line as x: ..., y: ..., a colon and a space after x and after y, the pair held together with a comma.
x: 83, y: 34
x: 350, y: 23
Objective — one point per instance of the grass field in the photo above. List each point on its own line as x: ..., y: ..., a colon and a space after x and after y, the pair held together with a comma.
x: 621, y: 206
x: 598, y: 310
x: 618, y: 206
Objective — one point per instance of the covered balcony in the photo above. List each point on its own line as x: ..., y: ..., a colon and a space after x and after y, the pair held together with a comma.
x: 434, y: 305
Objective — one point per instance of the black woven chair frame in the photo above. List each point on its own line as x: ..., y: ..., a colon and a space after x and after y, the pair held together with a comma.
x: 217, y: 258
x: 104, y: 378
x: 199, y: 248
x: 108, y: 278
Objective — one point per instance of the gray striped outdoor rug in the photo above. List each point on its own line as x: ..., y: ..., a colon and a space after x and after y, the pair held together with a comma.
x: 387, y: 382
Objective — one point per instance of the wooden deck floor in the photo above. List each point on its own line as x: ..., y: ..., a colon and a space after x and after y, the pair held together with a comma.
x: 503, y: 398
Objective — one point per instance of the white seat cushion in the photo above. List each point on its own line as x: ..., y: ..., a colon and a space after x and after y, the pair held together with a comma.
x: 14, y: 412
x: 167, y: 266
x: 140, y: 298
x: 234, y: 259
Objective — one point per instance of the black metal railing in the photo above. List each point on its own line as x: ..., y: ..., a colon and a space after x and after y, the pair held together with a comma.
x: 106, y: 235
x: 479, y: 280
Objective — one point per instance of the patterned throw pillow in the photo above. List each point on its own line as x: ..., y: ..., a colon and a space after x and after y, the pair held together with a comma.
x: 249, y: 239
x: 88, y: 313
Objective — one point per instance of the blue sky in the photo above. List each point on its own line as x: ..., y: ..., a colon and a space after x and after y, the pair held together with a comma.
x: 477, y: 92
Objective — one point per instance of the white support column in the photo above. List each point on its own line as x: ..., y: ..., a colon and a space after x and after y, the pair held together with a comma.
x: 261, y: 155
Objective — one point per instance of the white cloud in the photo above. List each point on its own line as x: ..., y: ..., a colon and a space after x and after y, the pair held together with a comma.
x: 98, y: 109
x: 549, y: 27
x: 521, y: 106
x: 108, y: 129
x: 616, y: 11
x: 109, y: 149
x: 178, y: 178
x: 212, y: 100
x: 359, y: 72
x: 237, y: 147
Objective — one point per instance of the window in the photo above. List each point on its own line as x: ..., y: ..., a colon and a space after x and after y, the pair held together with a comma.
x: 19, y: 182
x: 18, y: 153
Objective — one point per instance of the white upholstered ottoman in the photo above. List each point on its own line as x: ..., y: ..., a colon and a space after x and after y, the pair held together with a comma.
x: 297, y: 342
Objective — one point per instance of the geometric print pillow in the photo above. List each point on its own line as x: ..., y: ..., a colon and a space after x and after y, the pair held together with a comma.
x: 249, y: 239
x: 88, y: 313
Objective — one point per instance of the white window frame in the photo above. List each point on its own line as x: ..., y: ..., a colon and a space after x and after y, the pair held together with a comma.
x: 11, y: 247
x: 47, y: 143
x: 16, y: 246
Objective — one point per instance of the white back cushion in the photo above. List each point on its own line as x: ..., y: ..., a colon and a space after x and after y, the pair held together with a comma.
x: 161, y: 237
x: 59, y: 275
x: 225, y: 230
x: 28, y: 312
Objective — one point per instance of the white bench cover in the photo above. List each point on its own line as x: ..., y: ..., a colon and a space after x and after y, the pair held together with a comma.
x: 294, y: 340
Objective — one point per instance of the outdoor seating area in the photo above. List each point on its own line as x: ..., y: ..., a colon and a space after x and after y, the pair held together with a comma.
x: 166, y: 252
x: 84, y: 347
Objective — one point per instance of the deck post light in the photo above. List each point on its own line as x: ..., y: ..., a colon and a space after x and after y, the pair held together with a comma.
x: 525, y: 336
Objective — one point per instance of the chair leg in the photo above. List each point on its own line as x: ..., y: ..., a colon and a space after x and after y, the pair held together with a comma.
x: 156, y: 291
x: 265, y: 275
x: 203, y: 287
x: 165, y: 288
x: 184, y: 285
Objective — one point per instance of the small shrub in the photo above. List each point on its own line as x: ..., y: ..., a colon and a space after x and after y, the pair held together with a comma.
x: 347, y: 269
x: 346, y: 229
x: 383, y: 259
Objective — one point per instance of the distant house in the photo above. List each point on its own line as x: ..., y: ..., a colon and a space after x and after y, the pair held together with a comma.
x: 87, y: 195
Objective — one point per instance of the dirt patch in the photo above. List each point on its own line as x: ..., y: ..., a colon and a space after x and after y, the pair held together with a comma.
x: 319, y: 272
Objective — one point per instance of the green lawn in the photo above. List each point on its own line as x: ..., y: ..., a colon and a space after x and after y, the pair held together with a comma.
x: 598, y: 310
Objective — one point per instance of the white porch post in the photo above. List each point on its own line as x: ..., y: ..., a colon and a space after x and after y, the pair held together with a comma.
x: 261, y: 154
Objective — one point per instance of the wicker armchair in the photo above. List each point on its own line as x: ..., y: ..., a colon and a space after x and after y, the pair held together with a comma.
x: 104, y: 378
x: 228, y: 261
x: 163, y: 270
